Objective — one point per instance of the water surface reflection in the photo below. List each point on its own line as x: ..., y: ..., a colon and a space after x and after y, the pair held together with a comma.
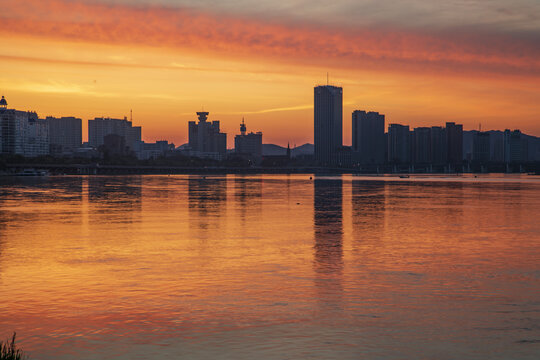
x: 207, y: 198
x: 328, y: 230
x: 368, y: 210
x: 270, y: 267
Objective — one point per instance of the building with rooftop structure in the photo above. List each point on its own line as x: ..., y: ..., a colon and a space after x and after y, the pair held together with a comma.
x: 328, y: 123
x: 248, y: 145
x: 205, y: 138
x: 22, y: 132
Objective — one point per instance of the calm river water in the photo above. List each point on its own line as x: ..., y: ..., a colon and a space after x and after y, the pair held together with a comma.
x: 271, y: 267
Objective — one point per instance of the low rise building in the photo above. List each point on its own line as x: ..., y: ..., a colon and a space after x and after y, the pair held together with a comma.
x: 248, y: 145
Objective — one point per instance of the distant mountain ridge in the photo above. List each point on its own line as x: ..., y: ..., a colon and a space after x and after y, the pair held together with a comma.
x: 274, y: 150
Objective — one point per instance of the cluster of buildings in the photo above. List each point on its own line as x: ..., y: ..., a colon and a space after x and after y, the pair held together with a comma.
x: 207, y: 141
x: 436, y: 145
x: 24, y: 133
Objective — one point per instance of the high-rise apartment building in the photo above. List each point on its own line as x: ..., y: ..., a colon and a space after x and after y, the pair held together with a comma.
x: 481, y: 146
x: 13, y: 126
x: 399, y: 144
x: 65, y: 134
x: 328, y: 123
x: 454, y: 142
x: 205, y: 138
x: 22, y: 132
x: 496, y: 139
x: 101, y: 127
x: 438, y: 145
x: 368, y: 140
x: 421, y: 145
x: 36, y: 142
x: 515, y: 146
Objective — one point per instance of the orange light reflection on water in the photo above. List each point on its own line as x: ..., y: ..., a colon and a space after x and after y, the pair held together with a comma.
x: 259, y: 264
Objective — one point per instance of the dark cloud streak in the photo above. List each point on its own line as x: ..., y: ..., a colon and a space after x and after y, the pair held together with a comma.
x: 466, y: 50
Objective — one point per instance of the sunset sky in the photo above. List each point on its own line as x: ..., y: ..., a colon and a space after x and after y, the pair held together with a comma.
x: 419, y: 62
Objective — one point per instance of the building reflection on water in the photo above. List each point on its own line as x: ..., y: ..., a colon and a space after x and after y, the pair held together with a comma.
x: 207, y: 197
x: 26, y: 203
x: 118, y: 199
x: 368, y: 210
x: 448, y: 200
x: 248, y: 197
x: 125, y: 191
x: 328, y: 230
x: 3, y: 226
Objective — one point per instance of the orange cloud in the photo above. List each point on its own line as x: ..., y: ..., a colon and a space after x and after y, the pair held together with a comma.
x: 380, y: 48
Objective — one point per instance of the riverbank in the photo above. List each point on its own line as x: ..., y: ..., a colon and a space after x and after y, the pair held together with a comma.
x: 99, y: 169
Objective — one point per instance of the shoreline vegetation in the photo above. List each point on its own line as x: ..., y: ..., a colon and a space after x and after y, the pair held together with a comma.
x: 9, y: 350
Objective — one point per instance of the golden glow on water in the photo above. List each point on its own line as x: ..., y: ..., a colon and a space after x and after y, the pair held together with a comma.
x: 270, y: 267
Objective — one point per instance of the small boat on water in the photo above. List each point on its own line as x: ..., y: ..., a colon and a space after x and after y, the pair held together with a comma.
x: 404, y: 176
x: 32, y: 172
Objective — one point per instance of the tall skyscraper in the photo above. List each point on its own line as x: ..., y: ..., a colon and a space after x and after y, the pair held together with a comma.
x: 454, y: 142
x: 205, y: 139
x: 368, y: 140
x: 328, y: 123
x: 399, y: 144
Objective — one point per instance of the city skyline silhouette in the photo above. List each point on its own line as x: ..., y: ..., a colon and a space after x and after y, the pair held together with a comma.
x: 421, y: 65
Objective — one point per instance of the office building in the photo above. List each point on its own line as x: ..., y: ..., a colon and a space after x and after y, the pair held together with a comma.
x: 368, y: 141
x: 205, y: 138
x: 98, y: 128
x: 399, y: 144
x: 248, y: 145
x: 65, y: 134
x: 328, y: 123
x: 454, y: 142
